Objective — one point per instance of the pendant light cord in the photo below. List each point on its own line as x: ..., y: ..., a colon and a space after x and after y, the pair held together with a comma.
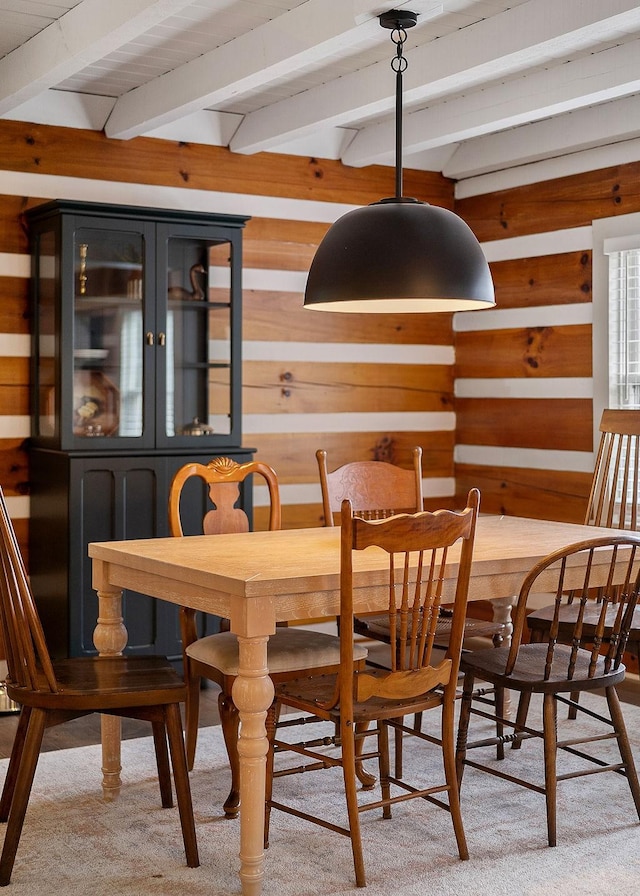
x: 399, y: 65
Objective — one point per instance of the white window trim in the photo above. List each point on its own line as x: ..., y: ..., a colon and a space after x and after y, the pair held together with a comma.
x: 606, y: 232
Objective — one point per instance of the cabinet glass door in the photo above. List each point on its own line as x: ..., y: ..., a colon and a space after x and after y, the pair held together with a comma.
x: 198, y: 338
x: 108, y: 334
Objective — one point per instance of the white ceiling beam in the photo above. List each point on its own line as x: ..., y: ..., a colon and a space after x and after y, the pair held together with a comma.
x: 590, y: 80
x: 83, y: 35
x: 575, y: 132
x: 66, y: 109
x: 306, y: 34
x: 503, y: 44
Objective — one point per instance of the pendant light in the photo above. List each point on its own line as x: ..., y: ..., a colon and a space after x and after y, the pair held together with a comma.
x: 399, y: 254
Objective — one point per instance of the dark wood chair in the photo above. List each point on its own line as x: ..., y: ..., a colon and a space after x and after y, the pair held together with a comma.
x: 355, y: 700
x: 614, y: 501
x: 556, y: 670
x: 50, y: 693
x: 378, y: 489
x: 291, y: 651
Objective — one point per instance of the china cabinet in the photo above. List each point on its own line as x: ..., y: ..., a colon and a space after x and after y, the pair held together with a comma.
x: 135, y: 371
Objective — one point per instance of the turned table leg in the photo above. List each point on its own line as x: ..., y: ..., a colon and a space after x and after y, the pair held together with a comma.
x: 252, y: 694
x: 501, y: 608
x: 110, y: 639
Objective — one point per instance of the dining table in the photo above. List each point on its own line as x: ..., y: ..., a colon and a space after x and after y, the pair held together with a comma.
x: 259, y: 579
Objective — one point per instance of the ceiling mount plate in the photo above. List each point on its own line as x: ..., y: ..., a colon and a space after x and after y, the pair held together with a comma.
x: 398, y: 18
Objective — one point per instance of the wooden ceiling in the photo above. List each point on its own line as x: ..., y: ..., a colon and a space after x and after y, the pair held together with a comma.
x: 490, y: 84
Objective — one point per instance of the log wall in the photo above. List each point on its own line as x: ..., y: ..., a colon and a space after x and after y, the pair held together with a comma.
x: 514, y: 413
x: 359, y: 386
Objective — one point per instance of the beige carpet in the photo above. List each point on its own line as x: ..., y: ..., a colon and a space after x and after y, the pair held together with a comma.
x: 73, y: 843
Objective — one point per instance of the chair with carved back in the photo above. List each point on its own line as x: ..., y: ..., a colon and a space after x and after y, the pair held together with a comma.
x: 557, y: 671
x: 614, y: 501
x: 413, y: 551
x: 379, y: 489
x: 291, y: 651
x: 52, y: 692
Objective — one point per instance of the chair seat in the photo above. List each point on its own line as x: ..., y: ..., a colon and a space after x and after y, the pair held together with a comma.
x: 119, y: 681
x: 288, y: 650
x: 528, y: 673
x: 540, y: 620
x: 308, y: 693
x: 377, y: 626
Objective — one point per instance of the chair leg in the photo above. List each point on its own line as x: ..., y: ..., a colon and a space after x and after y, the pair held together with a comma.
x: 14, y: 763
x: 624, y: 746
x: 463, y: 725
x: 397, y: 740
x: 550, y: 732
x: 192, y: 711
x: 230, y: 723
x: 521, y: 716
x: 162, y: 761
x: 384, y: 765
x: 181, y: 779
x: 449, y: 757
x: 349, y: 775
x: 498, y: 697
x: 271, y: 723
x: 367, y: 780
x: 21, y: 792
x: 573, y: 712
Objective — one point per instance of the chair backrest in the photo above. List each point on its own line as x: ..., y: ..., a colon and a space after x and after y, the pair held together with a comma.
x: 28, y: 662
x: 608, y: 566
x: 413, y: 575
x: 223, y: 476
x: 376, y: 489
x: 615, y: 490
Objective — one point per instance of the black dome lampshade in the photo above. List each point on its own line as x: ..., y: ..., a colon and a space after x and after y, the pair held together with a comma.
x: 399, y: 255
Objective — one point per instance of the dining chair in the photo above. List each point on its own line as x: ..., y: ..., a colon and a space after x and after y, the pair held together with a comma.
x: 291, y: 651
x: 555, y: 671
x: 414, y: 551
x: 51, y: 692
x: 614, y: 501
x: 378, y: 489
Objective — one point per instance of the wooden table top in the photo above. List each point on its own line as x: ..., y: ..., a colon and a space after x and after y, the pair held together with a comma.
x: 207, y: 572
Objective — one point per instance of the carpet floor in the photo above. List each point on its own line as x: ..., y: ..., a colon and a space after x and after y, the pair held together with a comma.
x: 74, y: 843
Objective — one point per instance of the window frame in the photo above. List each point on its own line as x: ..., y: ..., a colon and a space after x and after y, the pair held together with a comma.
x: 608, y: 234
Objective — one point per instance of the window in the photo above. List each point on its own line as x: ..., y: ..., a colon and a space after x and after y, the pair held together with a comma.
x: 624, y: 328
x: 616, y: 315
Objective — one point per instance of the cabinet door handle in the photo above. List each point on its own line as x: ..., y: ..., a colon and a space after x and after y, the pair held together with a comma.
x: 162, y: 339
x: 149, y: 338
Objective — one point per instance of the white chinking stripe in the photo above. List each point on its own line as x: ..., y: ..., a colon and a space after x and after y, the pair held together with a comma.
x: 55, y: 186
x: 524, y: 458
x: 400, y: 421
x: 309, y: 493
x: 539, y: 387
x: 516, y: 318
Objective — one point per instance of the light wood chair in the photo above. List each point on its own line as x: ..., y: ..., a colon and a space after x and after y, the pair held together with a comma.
x: 614, y: 501
x: 50, y: 693
x: 378, y: 489
x: 557, y: 670
x: 354, y: 700
x: 291, y: 651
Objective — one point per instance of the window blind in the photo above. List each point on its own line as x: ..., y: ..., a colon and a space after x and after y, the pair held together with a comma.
x: 624, y: 328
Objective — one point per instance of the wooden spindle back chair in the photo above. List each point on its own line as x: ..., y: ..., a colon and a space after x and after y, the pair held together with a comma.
x: 613, y: 501
x: 291, y: 651
x: 591, y: 659
x: 52, y: 692
x: 378, y: 489
x: 414, y: 551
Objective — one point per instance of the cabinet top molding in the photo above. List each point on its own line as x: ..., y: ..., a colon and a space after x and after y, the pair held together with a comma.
x: 105, y: 210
